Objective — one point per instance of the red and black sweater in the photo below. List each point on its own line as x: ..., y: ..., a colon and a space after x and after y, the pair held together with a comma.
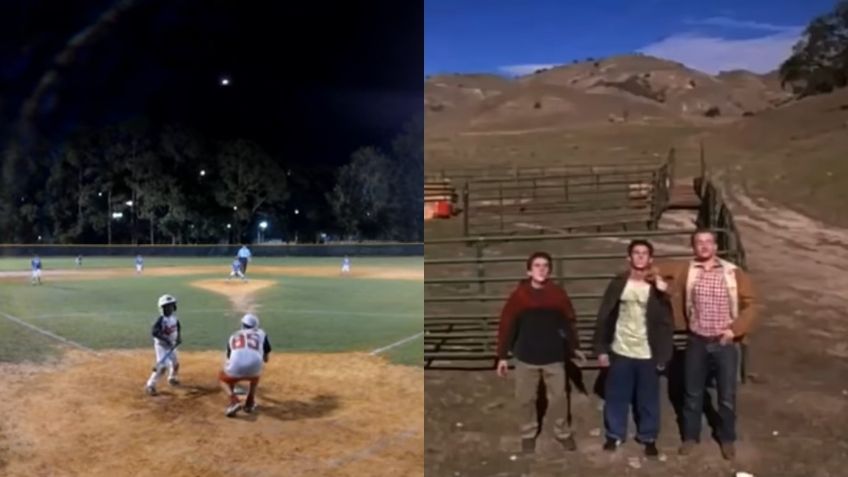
x: 538, y: 325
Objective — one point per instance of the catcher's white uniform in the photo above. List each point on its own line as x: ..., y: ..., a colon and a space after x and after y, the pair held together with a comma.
x: 246, y: 349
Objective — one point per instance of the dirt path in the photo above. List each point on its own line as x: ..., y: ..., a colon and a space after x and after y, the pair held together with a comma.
x: 240, y: 293
x: 319, y: 415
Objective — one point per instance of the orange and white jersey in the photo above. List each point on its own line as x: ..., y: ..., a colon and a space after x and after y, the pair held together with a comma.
x: 246, y: 349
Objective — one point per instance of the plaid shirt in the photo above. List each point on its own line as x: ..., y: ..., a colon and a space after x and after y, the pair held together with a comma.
x: 711, y: 316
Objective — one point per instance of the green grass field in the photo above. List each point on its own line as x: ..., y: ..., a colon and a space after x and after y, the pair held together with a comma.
x: 300, y: 314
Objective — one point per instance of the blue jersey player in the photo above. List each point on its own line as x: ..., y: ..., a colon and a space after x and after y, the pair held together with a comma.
x: 35, y: 263
x: 237, y: 271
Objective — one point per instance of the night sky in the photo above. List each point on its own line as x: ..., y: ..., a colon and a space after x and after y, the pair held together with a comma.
x: 350, y: 78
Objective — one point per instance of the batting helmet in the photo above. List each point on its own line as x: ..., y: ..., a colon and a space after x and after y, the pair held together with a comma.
x: 249, y: 321
x: 166, y: 300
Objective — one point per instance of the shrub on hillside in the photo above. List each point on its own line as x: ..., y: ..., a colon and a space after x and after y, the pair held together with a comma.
x: 713, y: 112
x: 638, y: 86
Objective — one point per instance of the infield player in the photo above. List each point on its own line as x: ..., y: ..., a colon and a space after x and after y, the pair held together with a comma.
x: 346, y: 265
x: 236, y: 271
x: 35, y: 263
x: 247, y: 353
x: 167, y: 335
x: 139, y: 264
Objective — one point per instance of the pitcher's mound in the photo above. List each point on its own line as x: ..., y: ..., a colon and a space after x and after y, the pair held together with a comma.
x: 327, y: 414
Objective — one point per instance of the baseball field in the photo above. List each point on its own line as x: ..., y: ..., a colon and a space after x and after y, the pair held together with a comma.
x: 340, y: 396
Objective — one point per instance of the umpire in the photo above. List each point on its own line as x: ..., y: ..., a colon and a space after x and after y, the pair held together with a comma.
x: 244, y: 257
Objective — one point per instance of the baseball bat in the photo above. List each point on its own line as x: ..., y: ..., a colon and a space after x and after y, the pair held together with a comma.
x: 170, y: 351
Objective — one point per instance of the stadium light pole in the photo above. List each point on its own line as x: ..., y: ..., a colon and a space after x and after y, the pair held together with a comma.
x: 109, y: 215
x: 262, y: 226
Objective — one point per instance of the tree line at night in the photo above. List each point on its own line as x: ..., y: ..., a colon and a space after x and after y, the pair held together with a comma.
x: 132, y: 183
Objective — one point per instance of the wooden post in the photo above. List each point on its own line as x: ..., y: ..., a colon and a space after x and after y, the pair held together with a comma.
x: 558, y: 272
x: 656, y: 210
x: 501, y: 209
x: 481, y: 269
x: 466, y: 209
x: 672, y: 162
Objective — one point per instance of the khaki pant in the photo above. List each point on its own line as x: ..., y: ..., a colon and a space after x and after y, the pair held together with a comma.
x: 526, y: 385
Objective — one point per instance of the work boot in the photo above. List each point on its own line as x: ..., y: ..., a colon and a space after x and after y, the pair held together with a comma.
x: 728, y: 450
x: 686, y: 448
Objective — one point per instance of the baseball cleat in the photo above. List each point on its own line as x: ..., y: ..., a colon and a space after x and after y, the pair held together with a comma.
x: 233, y: 409
x: 150, y: 390
x: 174, y: 381
x: 249, y: 408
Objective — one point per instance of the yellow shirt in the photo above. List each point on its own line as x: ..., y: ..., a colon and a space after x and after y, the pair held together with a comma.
x: 631, y: 330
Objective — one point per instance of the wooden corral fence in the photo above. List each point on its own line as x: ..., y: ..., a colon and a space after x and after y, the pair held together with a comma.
x: 632, y: 196
x: 462, y: 307
x: 464, y: 295
x: 513, y: 171
x: 438, y: 191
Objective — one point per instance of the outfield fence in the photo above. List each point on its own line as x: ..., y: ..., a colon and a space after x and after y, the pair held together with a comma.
x: 215, y: 250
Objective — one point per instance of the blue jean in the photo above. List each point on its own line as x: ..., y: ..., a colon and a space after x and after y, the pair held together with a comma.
x: 703, y: 357
x: 633, y: 382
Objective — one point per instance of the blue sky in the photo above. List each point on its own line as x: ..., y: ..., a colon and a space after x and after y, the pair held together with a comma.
x: 518, y: 36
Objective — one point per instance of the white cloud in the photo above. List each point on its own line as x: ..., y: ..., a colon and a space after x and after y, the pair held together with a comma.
x: 712, y: 54
x: 521, y: 70
x: 727, y: 22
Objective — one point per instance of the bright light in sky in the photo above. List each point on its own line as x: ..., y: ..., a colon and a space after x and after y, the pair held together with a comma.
x: 296, y: 211
x: 129, y: 203
x: 225, y: 81
x: 263, y: 225
x: 202, y: 172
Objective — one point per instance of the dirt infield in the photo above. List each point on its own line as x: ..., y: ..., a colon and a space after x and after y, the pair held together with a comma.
x: 239, y: 292
x: 385, y: 273
x: 318, y: 414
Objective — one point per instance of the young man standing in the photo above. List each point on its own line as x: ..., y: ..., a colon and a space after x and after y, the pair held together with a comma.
x: 538, y: 325
x: 714, y: 300
x: 634, y: 338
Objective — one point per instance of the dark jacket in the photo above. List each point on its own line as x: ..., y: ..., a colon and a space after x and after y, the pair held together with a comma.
x: 660, y: 324
x: 538, y: 325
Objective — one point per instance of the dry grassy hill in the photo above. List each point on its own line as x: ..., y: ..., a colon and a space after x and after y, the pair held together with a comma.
x: 633, y: 89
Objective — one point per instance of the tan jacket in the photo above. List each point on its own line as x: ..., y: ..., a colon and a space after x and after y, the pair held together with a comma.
x: 740, y: 290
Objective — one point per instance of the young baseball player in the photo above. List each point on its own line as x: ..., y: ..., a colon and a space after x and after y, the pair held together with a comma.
x: 167, y: 335
x: 236, y: 271
x: 346, y: 265
x: 78, y: 261
x: 139, y: 264
x: 247, y: 352
x: 36, y: 270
